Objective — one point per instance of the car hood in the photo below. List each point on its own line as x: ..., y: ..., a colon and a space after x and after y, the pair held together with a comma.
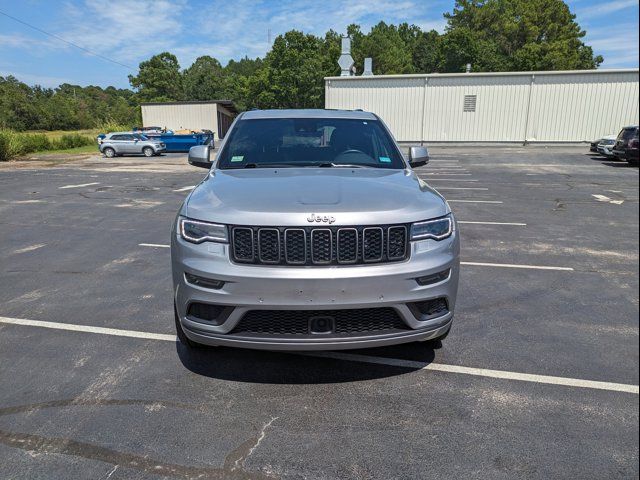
x: 289, y: 196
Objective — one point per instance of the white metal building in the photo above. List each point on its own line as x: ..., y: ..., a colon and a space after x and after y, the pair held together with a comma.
x: 566, y: 106
x: 215, y: 115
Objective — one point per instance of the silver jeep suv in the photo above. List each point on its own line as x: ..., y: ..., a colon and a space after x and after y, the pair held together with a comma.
x: 312, y: 232
x: 126, y: 143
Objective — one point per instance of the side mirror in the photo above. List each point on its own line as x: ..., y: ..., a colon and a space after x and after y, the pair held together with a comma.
x: 418, y: 156
x: 199, y: 156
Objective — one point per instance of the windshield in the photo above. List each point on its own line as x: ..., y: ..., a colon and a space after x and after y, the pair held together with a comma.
x: 627, y: 133
x: 309, y: 142
x: 140, y: 137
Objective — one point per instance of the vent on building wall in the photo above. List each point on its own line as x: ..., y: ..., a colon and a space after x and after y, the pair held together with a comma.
x: 469, y: 103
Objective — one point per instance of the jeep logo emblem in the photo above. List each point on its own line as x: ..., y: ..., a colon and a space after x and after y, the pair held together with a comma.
x: 320, y: 218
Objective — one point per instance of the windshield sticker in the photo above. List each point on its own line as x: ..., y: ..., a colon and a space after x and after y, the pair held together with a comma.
x: 384, y: 159
x: 237, y: 158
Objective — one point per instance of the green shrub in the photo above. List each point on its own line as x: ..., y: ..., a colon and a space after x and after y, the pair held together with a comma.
x: 34, y: 143
x: 72, y: 140
x: 14, y: 144
x: 10, y: 145
x: 111, y: 126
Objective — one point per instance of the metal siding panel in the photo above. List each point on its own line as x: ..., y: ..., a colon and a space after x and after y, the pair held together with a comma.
x: 188, y: 116
x: 575, y: 106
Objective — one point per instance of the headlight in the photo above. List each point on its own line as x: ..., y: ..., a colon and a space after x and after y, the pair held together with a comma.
x: 195, y: 231
x: 437, y: 229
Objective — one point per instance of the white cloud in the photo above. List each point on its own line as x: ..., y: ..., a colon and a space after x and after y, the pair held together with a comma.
x: 596, y: 10
x: 428, y: 25
x: 35, y: 79
x: 125, y: 30
x: 20, y: 41
x: 618, y: 46
x: 241, y: 28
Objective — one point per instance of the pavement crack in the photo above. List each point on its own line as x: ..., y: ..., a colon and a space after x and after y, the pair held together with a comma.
x: 111, y: 472
x: 235, y: 461
x: 37, y: 444
x: 66, y: 446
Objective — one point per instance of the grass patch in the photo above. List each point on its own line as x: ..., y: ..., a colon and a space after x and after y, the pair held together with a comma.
x: 71, y: 151
x: 16, y: 144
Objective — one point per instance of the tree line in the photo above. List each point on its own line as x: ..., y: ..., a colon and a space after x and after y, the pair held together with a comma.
x: 491, y: 35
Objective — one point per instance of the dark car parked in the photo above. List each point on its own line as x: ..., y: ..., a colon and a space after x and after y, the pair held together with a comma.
x: 631, y: 152
x: 626, y: 147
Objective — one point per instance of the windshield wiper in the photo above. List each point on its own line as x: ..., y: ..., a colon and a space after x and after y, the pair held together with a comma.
x: 344, y: 165
x: 269, y: 165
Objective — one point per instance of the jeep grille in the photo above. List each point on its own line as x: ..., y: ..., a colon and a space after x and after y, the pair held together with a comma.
x: 319, y: 245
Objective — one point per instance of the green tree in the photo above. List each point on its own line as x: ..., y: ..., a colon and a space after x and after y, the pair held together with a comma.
x: 386, y: 46
x: 462, y: 45
x: 158, y: 79
x: 292, y: 75
x: 522, y: 34
x: 204, y: 80
x: 427, y: 53
x: 245, y: 66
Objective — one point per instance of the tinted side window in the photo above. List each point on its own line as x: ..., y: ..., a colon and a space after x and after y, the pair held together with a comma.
x: 116, y: 137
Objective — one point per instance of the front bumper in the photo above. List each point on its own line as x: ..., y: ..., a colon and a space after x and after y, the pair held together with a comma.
x: 606, y: 150
x: 250, y: 287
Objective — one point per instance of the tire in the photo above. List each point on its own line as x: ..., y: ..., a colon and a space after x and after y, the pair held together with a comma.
x: 148, y: 152
x: 109, y: 152
x: 184, y: 340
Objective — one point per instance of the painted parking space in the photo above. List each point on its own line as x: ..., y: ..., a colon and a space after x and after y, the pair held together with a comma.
x: 543, y: 353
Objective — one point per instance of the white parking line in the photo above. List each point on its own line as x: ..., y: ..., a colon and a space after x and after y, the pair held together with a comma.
x: 394, y: 362
x: 154, y: 245
x: 481, y: 372
x: 450, y: 174
x: 447, y: 167
x: 81, y: 185
x: 604, y: 198
x: 515, y: 224
x: 88, y: 329
x: 449, y: 179
x: 184, y: 189
x: 512, y: 265
x: 474, y: 201
x: 462, y: 188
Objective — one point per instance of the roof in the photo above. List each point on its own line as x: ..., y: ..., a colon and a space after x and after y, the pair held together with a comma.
x: 308, y: 113
x: 489, y: 74
x: 228, y: 104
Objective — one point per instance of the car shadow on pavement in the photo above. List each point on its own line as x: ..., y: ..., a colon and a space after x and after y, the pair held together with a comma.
x: 618, y: 164
x: 258, y: 366
x: 610, y: 161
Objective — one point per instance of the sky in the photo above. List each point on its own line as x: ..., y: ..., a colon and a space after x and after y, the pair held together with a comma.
x: 127, y: 32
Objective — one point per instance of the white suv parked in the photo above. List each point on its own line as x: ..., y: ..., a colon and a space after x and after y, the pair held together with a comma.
x: 122, y: 143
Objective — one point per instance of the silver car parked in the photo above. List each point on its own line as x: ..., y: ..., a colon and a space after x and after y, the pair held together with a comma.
x: 127, y: 143
x: 311, y: 231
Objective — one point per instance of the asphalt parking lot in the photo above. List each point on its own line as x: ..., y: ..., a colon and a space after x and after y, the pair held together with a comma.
x: 538, y: 379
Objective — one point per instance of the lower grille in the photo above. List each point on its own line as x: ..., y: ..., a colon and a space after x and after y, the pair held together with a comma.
x: 429, y: 308
x: 297, y: 322
x: 319, y: 245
